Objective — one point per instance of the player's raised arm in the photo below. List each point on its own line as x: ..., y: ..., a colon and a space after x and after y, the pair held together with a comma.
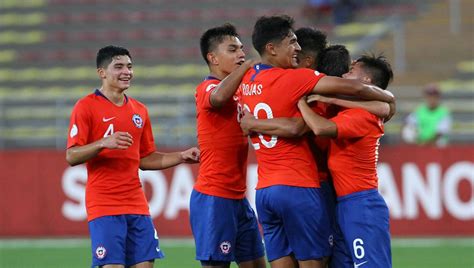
x: 331, y: 85
x: 282, y: 127
x: 227, y: 87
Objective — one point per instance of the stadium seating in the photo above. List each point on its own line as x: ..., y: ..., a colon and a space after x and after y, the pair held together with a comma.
x: 47, y: 52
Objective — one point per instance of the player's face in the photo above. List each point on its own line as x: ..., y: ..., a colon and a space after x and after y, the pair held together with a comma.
x: 356, y: 71
x: 229, y: 54
x: 287, y: 51
x: 118, y: 73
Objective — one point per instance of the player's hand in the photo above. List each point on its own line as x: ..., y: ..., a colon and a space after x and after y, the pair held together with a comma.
x: 191, y: 155
x: 303, y: 101
x: 246, y: 122
x: 119, y: 140
x: 320, y: 98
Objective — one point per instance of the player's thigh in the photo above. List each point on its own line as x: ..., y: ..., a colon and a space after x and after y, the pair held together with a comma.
x: 306, y: 223
x: 276, y: 240
x: 341, y: 255
x: 249, y: 241
x: 108, y: 237
x: 214, y: 225
x: 142, y: 244
x: 364, y: 222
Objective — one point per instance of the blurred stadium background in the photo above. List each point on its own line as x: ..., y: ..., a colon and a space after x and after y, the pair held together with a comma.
x: 47, y: 54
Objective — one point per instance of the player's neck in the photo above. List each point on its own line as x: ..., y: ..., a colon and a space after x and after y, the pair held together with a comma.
x: 218, y: 74
x: 269, y: 61
x: 117, y: 97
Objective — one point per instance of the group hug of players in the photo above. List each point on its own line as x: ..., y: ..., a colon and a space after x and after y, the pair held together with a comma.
x: 314, y: 118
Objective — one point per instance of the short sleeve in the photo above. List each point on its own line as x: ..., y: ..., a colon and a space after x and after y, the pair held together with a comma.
x: 79, y: 125
x: 203, y: 94
x: 354, y: 123
x: 302, y: 81
x: 147, y: 142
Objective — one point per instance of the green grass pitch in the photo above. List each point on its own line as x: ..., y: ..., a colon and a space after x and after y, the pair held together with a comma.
x: 75, y: 253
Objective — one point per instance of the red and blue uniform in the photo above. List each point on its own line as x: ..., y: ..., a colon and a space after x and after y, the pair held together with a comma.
x: 223, y: 223
x: 289, y: 203
x: 362, y: 213
x: 114, y: 194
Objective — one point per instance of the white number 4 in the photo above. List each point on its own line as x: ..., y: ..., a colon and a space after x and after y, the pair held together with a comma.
x: 110, y: 130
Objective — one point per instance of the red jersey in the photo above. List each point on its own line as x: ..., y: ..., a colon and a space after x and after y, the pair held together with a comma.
x: 353, y: 154
x: 224, y: 148
x: 113, y: 186
x: 270, y: 92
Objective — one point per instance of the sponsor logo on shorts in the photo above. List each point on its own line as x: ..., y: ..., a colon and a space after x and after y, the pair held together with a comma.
x: 357, y: 265
x: 100, y: 252
x: 225, y: 247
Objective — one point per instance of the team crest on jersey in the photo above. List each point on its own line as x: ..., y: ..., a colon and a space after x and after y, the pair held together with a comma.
x: 331, y: 240
x: 100, y: 252
x: 225, y: 247
x: 137, y: 120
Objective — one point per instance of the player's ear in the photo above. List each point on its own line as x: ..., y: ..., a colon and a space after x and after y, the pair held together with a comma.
x: 212, y: 59
x: 101, y: 73
x: 308, y: 61
x: 367, y: 80
x: 270, y: 49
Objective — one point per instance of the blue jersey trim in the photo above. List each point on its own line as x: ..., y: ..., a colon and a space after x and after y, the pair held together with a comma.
x: 210, y: 77
x: 258, y: 68
x: 98, y: 93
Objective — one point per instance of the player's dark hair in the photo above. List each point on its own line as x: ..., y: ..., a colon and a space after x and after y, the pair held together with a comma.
x: 211, y: 38
x: 312, y: 41
x: 270, y: 29
x: 334, y: 60
x: 106, y: 54
x: 378, y: 68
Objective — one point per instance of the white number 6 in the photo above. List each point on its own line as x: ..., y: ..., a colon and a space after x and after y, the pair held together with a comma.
x: 359, y: 251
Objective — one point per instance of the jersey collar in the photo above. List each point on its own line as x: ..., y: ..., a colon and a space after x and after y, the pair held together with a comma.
x: 98, y: 93
x: 210, y: 77
x: 258, y: 68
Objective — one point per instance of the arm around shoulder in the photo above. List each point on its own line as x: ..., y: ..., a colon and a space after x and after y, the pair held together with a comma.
x: 227, y: 87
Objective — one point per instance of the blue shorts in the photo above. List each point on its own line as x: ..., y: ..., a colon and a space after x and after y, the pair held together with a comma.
x: 123, y: 239
x: 224, y: 229
x: 294, y: 220
x: 364, y: 221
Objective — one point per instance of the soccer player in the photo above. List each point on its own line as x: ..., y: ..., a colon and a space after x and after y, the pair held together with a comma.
x: 111, y: 132
x: 288, y: 200
x: 333, y: 60
x: 224, y: 225
x: 362, y: 213
x: 312, y: 43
